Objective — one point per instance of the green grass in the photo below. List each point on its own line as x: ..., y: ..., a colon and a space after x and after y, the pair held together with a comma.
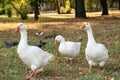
x: 106, y: 31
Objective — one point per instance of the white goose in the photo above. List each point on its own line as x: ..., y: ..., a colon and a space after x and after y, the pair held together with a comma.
x: 69, y: 49
x: 96, y: 53
x: 33, y: 56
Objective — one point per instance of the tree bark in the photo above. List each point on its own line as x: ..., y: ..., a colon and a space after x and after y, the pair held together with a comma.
x: 104, y: 7
x: 57, y: 6
x: 36, y: 10
x: 80, y: 9
x: 119, y: 4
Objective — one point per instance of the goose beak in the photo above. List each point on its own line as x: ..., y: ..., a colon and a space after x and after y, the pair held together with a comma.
x: 82, y: 26
x: 56, y: 41
x: 17, y: 28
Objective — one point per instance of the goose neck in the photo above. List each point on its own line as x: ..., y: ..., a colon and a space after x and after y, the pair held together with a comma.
x: 91, y: 39
x: 23, y: 37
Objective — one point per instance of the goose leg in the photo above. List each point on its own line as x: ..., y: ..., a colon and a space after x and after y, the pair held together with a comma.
x: 71, y: 60
x: 103, y: 70
x: 90, y: 68
x: 31, y: 75
x: 66, y: 59
x: 102, y: 64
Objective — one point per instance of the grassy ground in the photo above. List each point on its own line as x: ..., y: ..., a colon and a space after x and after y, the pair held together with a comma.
x: 106, y: 30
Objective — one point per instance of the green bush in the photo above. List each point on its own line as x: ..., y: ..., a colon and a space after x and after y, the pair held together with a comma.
x: 23, y: 14
x: 8, y: 11
x: 65, y: 9
x: 24, y: 11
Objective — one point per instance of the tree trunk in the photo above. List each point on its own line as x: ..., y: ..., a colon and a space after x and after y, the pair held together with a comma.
x: 36, y: 10
x: 104, y: 7
x: 119, y: 4
x: 57, y: 6
x: 80, y: 9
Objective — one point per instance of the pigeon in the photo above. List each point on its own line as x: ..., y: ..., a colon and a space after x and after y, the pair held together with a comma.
x: 41, y: 44
x: 39, y: 33
x: 48, y: 36
x: 79, y: 38
x: 8, y: 44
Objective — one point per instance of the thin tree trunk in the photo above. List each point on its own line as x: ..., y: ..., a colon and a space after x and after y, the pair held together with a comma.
x: 36, y: 10
x: 80, y: 9
x: 57, y: 6
x: 119, y: 4
x: 104, y: 7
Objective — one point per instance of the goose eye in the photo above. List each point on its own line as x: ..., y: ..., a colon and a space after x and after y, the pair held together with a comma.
x: 57, y: 37
x: 20, y: 24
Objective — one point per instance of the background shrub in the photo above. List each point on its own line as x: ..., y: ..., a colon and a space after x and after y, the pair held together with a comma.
x: 8, y: 11
x: 23, y: 14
